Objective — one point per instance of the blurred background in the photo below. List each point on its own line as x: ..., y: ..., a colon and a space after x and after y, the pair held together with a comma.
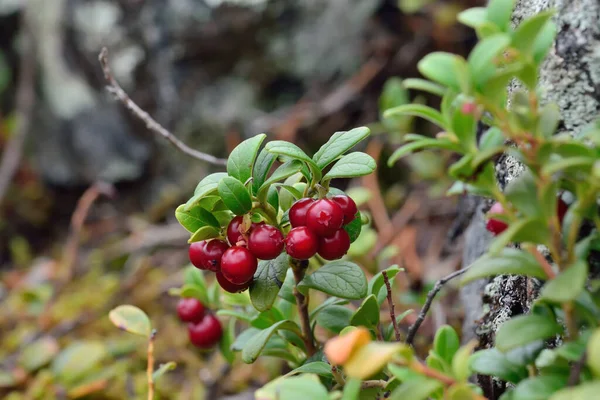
x: 87, y: 193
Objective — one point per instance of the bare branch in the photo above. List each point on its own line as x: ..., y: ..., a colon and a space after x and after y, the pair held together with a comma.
x: 391, y: 304
x: 116, y: 89
x: 299, y: 268
x: 412, y: 331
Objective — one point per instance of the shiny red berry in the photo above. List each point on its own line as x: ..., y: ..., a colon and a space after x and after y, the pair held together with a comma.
x: 334, y: 247
x: 190, y: 310
x: 324, y: 217
x: 265, y: 242
x: 231, y: 287
x: 561, y: 210
x: 206, y: 333
x: 238, y: 265
x: 495, y: 225
x: 207, y: 254
x: 233, y: 230
x: 298, y: 211
x: 301, y: 243
x: 348, y: 207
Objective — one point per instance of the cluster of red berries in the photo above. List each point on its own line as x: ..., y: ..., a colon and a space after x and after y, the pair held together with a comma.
x: 204, y: 330
x: 497, y: 226
x: 317, y: 227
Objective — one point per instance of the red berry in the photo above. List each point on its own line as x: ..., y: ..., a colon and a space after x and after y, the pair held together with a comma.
x: 348, y: 207
x: 190, y: 310
x: 298, y: 211
x: 238, y: 265
x: 265, y: 242
x: 324, y: 217
x: 233, y: 230
x: 561, y: 210
x: 301, y: 243
x: 206, y: 333
x: 231, y: 287
x: 334, y: 247
x: 495, y: 225
x: 207, y: 254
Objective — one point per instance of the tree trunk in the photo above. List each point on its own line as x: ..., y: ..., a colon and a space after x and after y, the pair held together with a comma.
x: 570, y: 77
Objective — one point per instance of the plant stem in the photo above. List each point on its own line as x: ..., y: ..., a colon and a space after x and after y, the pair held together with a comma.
x: 379, y: 383
x: 570, y: 321
x: 391, y: 304
x: 150, y: 368
x: 299, y: 268
x: 543, y: 262
x: 337, y: 376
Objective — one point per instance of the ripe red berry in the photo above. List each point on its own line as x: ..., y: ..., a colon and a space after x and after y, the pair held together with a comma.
x: 324, y: 217
x: 562, y: 208
x: 298, y: 211
x: 190, y: 310
x: 301, y: 243
x: 265, y: 242
x: 207, y: 254
x: 238, y: 265
x: 233, y: 230
x: 206, y: 333
x: 231, y: 287
x: 495, y: 225
x: 334, y: 247
x: 348, y: 207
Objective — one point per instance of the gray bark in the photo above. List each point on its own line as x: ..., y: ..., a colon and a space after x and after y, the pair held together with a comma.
x: 570, y: 77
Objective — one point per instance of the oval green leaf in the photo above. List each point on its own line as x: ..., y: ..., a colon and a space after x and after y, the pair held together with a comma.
x: 268, y: 279
x: 417, y: 110
x: 131, y: 319
x: 367, y: 314
x: 207, y: 186
x: 567, y: 285
x: 204, y: 233
x: 342, y: 279
x: 195, y: 218
x: 524, y: 329
x: 338, y: 144
x: 351, y: 166
x: 508, y: 262
x: 256, y: 343
x: 241, y: 160
x: 234, y: 195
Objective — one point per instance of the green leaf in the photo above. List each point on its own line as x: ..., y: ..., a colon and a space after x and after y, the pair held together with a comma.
x: 532, y: 230
x: 353, y: 228
x: 416, y: 389
x: 507, y: 262
x: 273, y: 198
x: 342, y: 279
x: 473, y: 17
x: 195, y: 292
x: 377, y: 283
x: 567, y: 285
x: 268, y: 279
x: 544, y: 42
x: 334, y: 318
x: 38, y: 353
x: 583, y: 391
x: 367, y: 314
x: 549, y: 120
x: 526, y: 34
x: 291, y: 150
x: 241, y: 159
x: 195, y: 218
x: 316, y: 367
x: 207, y: 186
x: 492, y: 362
x: 77, y: 359
x: 522, y: 194
x: 417, y: 110
x: 491, y: 139
x: 351, y: 166
x: 499, y: 13
x: 423, y: 85
x: 593, y: 353
x: 262, y: 166
x: 443, y: 68
x: 481, y: 59
x: 283, y: 172
x: 257, y: 342
x: 235, y: 196
x: 204, y: 233
x: 539, y: 387
x: 393, y: 94
x: 461, y: 368
x: 446, y: 343
x: 227, y: 340
x: 422, y: 144
x: 352, y: 389
x: 331, y: 301
x: 371, y: 358
x: 524, y: 329
x: 131, y: 319
x: 338, y: 144
x: 163, y: 369
x: 295, y: 388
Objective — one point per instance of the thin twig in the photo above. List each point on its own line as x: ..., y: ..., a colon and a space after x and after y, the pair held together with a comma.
x: 114, y: 88
x: 150, y: 368
x: 543, y: 262
x: 25, y: 100
x: 575, y: 374
x: 412, y: 331
x: 337, y: 376
x: 391, y: 304
x: 378, y: 383
x: 299, y: 267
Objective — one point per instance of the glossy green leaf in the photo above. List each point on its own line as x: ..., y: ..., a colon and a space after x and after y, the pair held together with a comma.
x: 330, y: 301
x: 334, y: 318
x: 527, y: 32
x: 539, y: 387
x: 507, y: 262
x: 424, y: 86
x: 235, y: 196
x: 283, y: 172
x: 195, y: 218
x: 204, y: 233
x: 522, y: 194
x: 131, y: 319
x: 352, y: 389
x: 548, y: 120
x: 352, y: 165
x: 268, y: 279
x: 583, y: 391
x: 531, y: 230
x: 419, y: 388
x: 353, y: 228
x: 544, y: 41
x: 464, y: 126
x: 481, y: 58
x: 461, y: 368
x: 38, y: 353
x: 524, y: 329
x: 491, y: 139
x: 241, y: 160
x: 316, y: 367
x: 262, y: 167
x: 371, y: 358
x: 273, y: 198
x: 567, y: 285
x: 284, y: 148
x: 342, y: 279
x: 417, y: 110
x: 442, y: 68
x: 207, y: 186
x: 422, y: 144
x: 367, y: 314
x: 257, y: 342
x: 492, y: 362
x: 338, y: 144
x: 446, y: 343
x: 227, y: 339
x: 473, y: 17
x: 499, y: 12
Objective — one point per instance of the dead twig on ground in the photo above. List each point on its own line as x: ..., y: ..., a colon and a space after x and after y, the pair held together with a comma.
x: 114, y: 88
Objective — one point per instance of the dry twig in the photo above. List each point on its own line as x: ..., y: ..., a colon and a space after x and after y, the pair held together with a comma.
x: 391, y: 304
x: 114, y: 88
